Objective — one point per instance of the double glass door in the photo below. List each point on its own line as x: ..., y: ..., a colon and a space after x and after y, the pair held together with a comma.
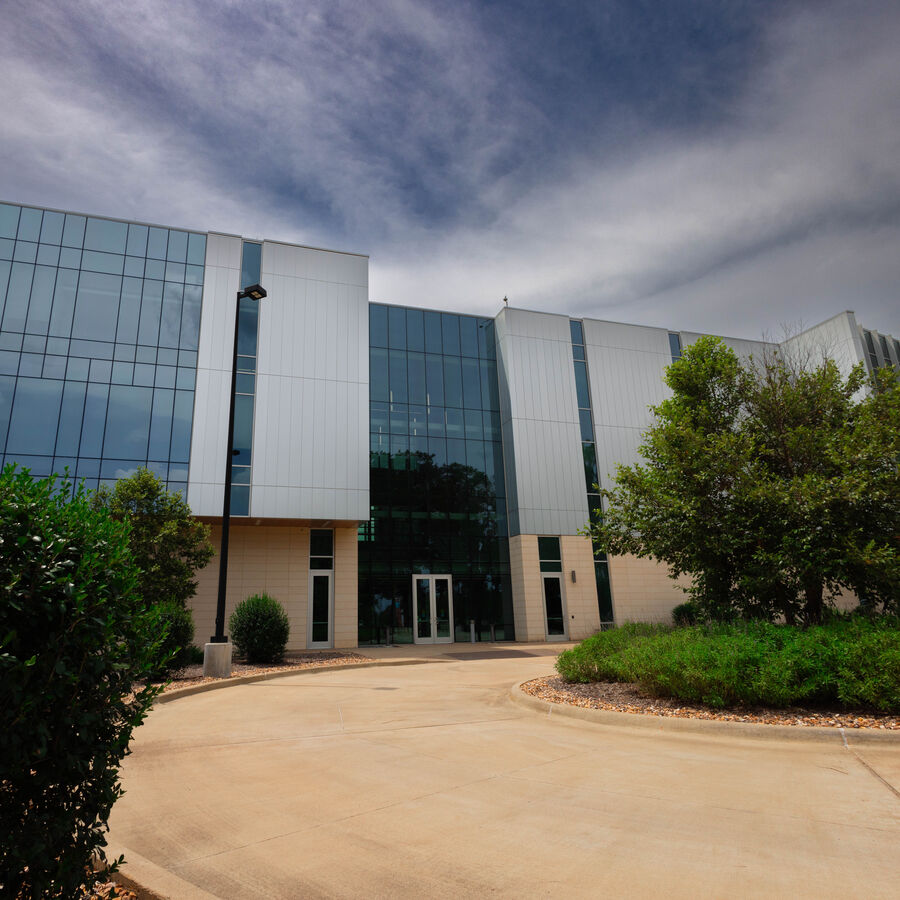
x: 433, y: 600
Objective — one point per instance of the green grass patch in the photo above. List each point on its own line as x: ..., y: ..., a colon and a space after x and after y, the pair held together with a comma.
x: 852, y: 662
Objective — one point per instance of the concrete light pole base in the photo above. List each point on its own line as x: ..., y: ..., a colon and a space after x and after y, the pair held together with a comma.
x: 217, y: 660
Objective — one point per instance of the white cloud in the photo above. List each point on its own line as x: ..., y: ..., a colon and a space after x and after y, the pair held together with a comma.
x: 305, y: 123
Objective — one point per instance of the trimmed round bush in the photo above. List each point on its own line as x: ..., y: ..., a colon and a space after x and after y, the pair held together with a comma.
x: 260, y: 629
x: 178, y: 624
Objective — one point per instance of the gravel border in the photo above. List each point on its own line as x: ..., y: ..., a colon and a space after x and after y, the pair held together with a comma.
x: 627, y: 698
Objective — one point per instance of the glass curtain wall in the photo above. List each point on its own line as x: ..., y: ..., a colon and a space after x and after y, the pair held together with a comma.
x: 591, y: 474
x: 437, y: 487
x: 245, y: 383
x: 99, y: 326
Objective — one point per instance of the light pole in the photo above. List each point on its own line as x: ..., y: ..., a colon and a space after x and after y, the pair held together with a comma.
x: 217, y: 653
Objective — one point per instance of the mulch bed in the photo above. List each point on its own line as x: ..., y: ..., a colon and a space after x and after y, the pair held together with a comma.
x: 192, y: 675
x: 630, y: 699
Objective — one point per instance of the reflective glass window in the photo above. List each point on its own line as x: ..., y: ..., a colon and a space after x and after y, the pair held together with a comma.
x: 17, y: 294
x: 157, y: 242
x: 161, y: 423
x: 397, y: 327
x: 416, y: 374
x: 378, y: 336
x: 128, y: 422
x: 41, y: 300
x: 415, y: 329
x: 177, y: 249
x: 96, y: 306
x: 251, y: 264
x: 36, y: 404
x: 468, y: 336
x: 155, y: 268
x: 434, y: 379
x: 471, y: 383
x: 181, y: 426
x: 433, y: 339
x: 48, y: 255
x: 52, y: 227
x: 25, y: 251
x: 196, y: 249
x: 577, y: 331
x: 587, y: 426
x: 137, y: 240
x: 151, y: 307
x: 102, y: 234
x: 30, y: 224
x: 378, y: 374
x: 73, y: 231
x: 247, y: 326
x: 9, y: 221
x: 243, y: 429
x: 675, y: 345
x: 453, y: 381
x: 165, y: 377
x: 581, y: 385
x: 398, y: 376
x: 170, y: 318
x: 590, y: 466
x: 94, y: 420
x: 240, y: 500
x: 70, y: 258
x: 450, y: 334
x: 68, y: 434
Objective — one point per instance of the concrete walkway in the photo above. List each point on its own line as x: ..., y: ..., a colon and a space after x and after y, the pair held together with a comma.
x: 426, y: 781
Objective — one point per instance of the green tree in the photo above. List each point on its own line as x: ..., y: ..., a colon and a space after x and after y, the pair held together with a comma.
x: 168, y: 544
x: 77, y: 641
x: 773, y: 486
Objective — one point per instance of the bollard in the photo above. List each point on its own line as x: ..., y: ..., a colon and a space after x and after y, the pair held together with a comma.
x: 493, y: 634
x: 472, y: 630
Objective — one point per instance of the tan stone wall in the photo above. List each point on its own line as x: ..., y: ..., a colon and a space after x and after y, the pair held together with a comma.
x: 346, y: 588
x: 275, y: 559
x: 526, y: 587
x: 642, y: 590
x: 579, y: 599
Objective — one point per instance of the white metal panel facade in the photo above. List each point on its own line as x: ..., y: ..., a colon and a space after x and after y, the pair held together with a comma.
x: 838, y: 338
x: 311, y: 419
x: 626, y: 365
x: 539, y: 414
x: 206, y: 475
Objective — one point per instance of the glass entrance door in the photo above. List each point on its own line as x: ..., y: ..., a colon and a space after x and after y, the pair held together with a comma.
x: 553, y: 608
x: 433, y: 600
x: 321, y: 624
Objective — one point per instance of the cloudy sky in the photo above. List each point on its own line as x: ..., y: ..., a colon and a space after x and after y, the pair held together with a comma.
x: 717, y: 166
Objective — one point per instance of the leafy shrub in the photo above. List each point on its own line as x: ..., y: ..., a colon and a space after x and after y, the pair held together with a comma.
x: 685, y: 614
x: 76, y: 644
x: 178, y: 624
x: 195, y: 655
x: 260, y: 629
x: 847, y: 662
x: 168, y: 544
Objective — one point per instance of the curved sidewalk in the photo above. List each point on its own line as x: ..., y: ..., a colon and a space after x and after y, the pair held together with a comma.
x: 428, y: 781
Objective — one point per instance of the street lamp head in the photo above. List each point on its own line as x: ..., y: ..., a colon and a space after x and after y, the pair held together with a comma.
x: 254, y: 292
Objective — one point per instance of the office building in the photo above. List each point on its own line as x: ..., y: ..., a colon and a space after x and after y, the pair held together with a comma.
x: 400, y: 474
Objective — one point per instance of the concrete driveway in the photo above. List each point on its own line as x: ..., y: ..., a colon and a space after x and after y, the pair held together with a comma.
x: 427, y: 781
